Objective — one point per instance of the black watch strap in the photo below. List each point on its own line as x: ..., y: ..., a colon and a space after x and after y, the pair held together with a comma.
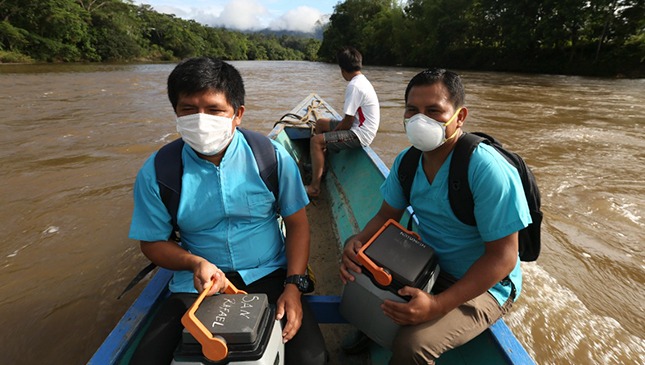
x: 302, y: 282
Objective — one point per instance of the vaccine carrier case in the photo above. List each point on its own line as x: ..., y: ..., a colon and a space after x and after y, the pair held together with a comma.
x: 238, y: 329
x: 393, y: 258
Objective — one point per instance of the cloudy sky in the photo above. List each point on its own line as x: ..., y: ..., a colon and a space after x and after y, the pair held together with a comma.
x: 296, y: 15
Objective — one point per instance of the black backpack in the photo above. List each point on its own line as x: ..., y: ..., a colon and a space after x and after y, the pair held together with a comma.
x: 169, y: 169
x: 461, y: 197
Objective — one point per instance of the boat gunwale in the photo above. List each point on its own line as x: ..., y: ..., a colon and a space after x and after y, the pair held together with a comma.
x: 116, y: 344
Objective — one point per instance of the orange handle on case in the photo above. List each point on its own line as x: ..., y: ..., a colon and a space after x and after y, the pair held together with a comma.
x: 213, y: 347
x: 381, y: 275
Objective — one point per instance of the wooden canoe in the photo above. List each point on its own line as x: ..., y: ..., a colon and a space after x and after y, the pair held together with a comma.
x: 352, y: 182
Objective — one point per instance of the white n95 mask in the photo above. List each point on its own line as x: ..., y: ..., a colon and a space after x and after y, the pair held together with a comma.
x: 425, y: 133
x: 205, y: 133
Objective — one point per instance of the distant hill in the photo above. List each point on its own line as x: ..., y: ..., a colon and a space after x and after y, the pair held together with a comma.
x: 318, y: 34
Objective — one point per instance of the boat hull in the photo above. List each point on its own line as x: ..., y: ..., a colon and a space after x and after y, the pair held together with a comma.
x: 352, y: 180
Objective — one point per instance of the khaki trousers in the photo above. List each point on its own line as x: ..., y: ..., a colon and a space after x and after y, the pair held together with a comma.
x: 424, y: 343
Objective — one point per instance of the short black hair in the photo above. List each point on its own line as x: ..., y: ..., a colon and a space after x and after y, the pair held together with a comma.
x: 194, y: 75
x: 349, y: 59
x: 449, y: 79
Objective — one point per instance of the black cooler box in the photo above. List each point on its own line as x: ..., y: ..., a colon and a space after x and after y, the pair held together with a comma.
x: 393, y: 258
x: 402, y: 255
x: 247, y: 324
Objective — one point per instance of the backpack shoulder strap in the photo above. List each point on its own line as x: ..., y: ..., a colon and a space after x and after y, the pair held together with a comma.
x: 459, y: 193
x: 407, y: 170
x: 169, y: 168
x: 265, y: 157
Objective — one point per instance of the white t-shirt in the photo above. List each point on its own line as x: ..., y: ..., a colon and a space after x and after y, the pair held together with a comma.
x: 361, y: 102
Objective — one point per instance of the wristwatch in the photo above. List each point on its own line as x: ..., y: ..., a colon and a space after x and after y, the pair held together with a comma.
x: 302, y: 282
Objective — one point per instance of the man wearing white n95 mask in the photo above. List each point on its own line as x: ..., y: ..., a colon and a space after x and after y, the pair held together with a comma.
x: 480, y: 273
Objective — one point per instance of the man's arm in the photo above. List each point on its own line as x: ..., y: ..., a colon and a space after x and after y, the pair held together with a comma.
x: 297, y: 247
x: 297, y: 242
x: 497, y: 262
x: 345, y: 123
x: 170, y: 255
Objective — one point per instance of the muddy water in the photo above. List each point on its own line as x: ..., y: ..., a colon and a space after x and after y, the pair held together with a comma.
x: 73, y: 137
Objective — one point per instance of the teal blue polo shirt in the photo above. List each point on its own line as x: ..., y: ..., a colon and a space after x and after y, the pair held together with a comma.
x: 500, y: 209
x: 226, y: 213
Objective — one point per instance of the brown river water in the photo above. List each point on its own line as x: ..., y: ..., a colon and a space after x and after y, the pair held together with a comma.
x: 72, y: 138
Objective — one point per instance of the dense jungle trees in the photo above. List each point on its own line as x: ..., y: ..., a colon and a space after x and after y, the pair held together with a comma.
x: 118, y: 30
x: 601, y: 37
x: 587, y: 37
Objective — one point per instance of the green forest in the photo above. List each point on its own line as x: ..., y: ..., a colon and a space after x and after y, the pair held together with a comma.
x: 585, y: 37
x: 576, y: 37
x: 119, y: 31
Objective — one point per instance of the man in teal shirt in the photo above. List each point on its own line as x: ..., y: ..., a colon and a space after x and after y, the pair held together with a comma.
x: 227, y: 217
x: 480, y: 267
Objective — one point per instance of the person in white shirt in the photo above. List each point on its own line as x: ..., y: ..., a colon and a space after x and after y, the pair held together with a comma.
x: 359, y: 124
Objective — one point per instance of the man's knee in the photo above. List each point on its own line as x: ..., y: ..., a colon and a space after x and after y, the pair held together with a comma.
x: 308, y: 345
x: 322, y: 125
x: 304, y: 357
x: 318, y: 141
x: 412, y: 347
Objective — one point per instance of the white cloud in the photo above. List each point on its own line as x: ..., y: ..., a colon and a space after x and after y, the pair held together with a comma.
x: 300, y: 19
x: 206, y: 15
x: 242, y: 15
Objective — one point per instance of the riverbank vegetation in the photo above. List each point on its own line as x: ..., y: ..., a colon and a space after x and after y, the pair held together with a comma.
x: 117, y: 31
x: 597, y: 37
x: 584, y: 37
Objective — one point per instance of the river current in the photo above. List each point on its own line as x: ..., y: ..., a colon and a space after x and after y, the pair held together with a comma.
x: 72, y: 138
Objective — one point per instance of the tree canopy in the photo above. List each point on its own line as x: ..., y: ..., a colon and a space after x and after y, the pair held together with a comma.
x: 117, y: 30
x: 585, y: 37
x: 594, y: 37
